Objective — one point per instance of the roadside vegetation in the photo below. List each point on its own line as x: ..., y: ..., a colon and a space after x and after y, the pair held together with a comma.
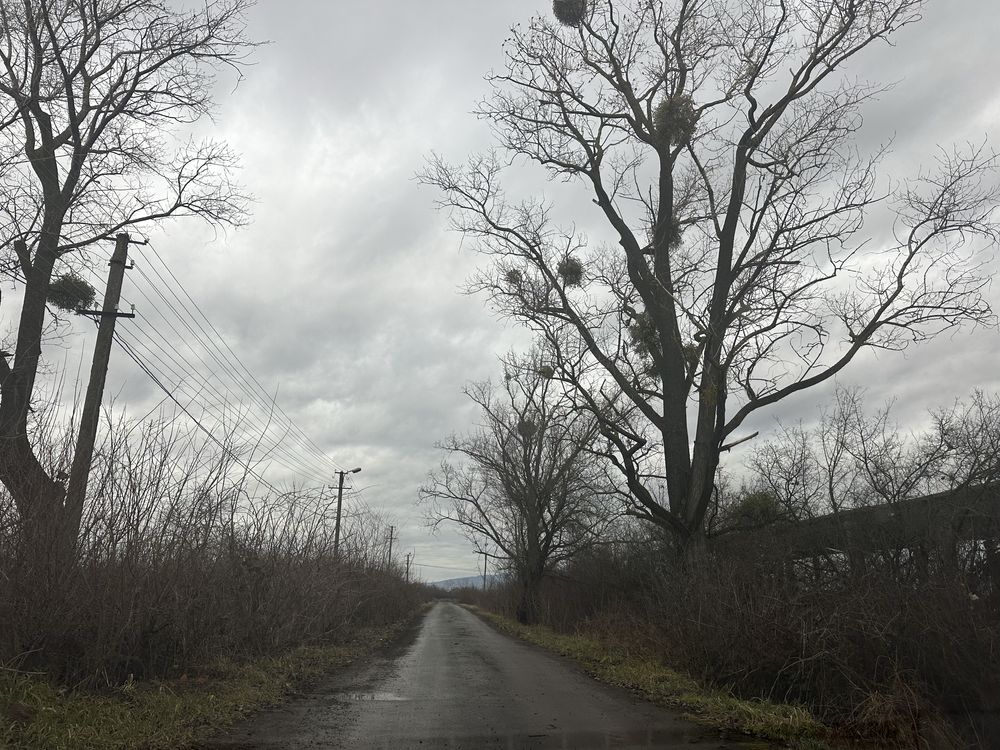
x: 638, y: 668
x: 162, y: 713
x: 192, y: 599
x: 152, y: 586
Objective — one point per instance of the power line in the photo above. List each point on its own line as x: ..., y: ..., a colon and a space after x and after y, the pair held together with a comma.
x: 199, y: 377
x: 235, y: 358
x: 169, y: 368
x: 176, y: 369
x: 268, y: 407
x: 138, y: 361
x: 310, y: 462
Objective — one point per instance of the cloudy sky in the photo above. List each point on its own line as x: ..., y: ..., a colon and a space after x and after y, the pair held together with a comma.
x: 342, y: 295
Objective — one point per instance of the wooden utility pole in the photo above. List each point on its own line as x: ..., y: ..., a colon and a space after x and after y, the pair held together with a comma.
x: 76, y: 488
x: 409, y: 556
x: 336, y: 526
x: 486, y: 556
x: 340, y: 501
x: 392, y: 531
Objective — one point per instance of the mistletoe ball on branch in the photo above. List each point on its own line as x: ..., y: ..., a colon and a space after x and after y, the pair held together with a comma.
x: 675, y: 119
x: 570, y: 12
x: 571, y: 271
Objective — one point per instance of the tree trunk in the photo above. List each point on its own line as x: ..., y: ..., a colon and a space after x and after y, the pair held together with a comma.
x: 528, y: 606
x: 37, y: 497
x: 528, y: 609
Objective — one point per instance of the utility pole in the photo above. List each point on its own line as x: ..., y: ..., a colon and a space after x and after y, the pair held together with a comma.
x: 485, y: 558
x: 409, y: 556
x: 340, y: 500
x: 76, y: 489
x: 392, y: 531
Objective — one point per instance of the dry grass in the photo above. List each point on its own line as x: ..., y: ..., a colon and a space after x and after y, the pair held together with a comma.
x: 166, y: 714
x: 643, y: 673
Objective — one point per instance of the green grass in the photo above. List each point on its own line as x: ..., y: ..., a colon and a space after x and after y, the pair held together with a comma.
x: 792, y: 725
x: 170, y: 713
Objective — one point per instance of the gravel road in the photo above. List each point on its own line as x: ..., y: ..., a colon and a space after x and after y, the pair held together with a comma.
x: 458, y: 683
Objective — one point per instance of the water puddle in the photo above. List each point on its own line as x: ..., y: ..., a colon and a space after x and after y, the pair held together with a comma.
x: 376, y: 696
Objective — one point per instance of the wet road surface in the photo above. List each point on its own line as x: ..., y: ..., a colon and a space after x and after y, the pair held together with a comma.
x: 460, y: 684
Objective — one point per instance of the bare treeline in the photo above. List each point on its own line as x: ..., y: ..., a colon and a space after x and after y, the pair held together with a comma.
x: 855, y: 459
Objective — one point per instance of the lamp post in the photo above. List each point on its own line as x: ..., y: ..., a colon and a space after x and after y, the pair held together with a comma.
x: 340, y: 499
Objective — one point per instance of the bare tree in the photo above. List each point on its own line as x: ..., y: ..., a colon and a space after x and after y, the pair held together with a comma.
x: 716, y: 141
x: 90, y: 94
x: 526, y: 481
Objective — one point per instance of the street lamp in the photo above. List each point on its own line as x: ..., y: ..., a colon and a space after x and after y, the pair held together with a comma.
x: 340, y: 498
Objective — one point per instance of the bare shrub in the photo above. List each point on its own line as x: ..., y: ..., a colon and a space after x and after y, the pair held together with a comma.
x: 882, y: 659
x: 179, y: 562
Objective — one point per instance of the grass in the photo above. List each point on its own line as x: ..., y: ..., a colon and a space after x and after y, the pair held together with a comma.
x: 787, y: 724
x: 166, y: 714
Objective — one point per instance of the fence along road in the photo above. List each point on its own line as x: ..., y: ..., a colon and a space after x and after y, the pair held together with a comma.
x: 461, y: 684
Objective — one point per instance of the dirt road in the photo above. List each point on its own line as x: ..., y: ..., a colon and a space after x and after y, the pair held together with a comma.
x: 460, y: 684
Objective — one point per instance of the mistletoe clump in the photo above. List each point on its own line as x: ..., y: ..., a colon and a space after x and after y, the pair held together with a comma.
x: 644, y: 341
x: 70, y: 292
x: 674, y: 235
x: 674, y: 232
x: 526, y: 428
x: 675, y: 119
x: 570, y: 12
x: 571, y: 271
x: 514, y: 277
x: 643, y: 334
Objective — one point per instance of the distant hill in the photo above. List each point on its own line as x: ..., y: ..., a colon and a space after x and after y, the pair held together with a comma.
x: 472, y: 582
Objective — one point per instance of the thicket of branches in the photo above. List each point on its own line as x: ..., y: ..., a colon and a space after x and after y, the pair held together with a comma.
x: 855, y: 459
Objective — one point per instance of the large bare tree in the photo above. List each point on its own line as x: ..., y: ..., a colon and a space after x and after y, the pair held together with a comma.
x: 526, y: 482
x: 716, y: 142
x: 91, y: 94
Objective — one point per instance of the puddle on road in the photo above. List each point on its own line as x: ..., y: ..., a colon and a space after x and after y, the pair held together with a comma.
x: 376, y: 696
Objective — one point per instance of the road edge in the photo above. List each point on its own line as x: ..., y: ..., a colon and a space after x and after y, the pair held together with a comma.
x: 792, y: 726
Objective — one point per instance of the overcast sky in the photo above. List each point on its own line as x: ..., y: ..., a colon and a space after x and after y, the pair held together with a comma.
x: 343, y: 293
